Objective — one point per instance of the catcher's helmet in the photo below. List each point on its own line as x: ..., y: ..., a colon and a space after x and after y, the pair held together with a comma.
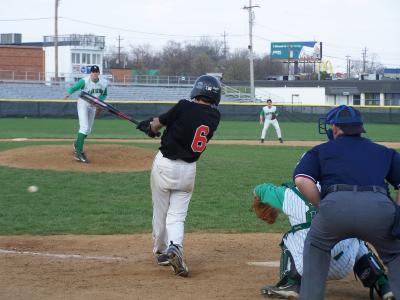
x: 346, y: 117
x: 207, y: 87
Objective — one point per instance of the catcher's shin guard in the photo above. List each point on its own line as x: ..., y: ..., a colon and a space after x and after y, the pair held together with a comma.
x: 287, y: 266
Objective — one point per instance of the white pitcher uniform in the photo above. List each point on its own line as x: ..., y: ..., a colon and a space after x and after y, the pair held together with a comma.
x: 86, y: 111
x: 266, y: 114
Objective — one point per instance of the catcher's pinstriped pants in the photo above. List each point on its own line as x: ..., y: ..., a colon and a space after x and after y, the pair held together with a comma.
x: 366, y: 215
x: 172, y: 183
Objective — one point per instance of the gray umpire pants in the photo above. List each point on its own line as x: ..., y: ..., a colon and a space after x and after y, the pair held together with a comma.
x: 368, y: 216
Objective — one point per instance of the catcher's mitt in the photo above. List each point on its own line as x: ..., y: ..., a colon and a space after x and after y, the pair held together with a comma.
x: 263, y: 211
x: 273, y: 116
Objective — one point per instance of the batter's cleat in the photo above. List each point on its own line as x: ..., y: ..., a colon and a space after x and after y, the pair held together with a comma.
x: 175, y: 258
x: 384, y: 291
x: 282, y: 290
x: 81, y: 157
x: 262, y: 141
x: 280, y: 141
x: 162, y: 259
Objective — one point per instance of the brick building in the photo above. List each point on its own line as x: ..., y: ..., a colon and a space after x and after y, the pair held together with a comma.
x: 19, y: 62
x: 121, y: 75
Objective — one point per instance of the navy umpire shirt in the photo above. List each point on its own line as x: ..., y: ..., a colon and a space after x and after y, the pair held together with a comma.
x: 352, y: 160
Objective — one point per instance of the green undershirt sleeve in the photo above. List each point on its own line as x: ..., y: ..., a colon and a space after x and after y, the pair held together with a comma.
x: 103, y: 96
x: 271, y: 194
x: 80, y: 84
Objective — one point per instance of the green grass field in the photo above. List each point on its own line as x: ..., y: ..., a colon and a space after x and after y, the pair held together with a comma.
x: 235, y: 130
x: 111, y: 203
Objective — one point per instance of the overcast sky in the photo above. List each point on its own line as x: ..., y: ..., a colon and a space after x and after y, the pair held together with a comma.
x: 344, y: 26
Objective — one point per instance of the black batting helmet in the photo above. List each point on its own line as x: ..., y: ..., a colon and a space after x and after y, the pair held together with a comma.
x: 208, y: 87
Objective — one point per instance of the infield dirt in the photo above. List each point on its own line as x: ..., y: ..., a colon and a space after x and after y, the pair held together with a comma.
x: 218, y: 266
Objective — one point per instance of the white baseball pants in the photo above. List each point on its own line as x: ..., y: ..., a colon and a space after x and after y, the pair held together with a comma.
x: 275, y: 124
x: 172, y: 184
x: 86, y: 115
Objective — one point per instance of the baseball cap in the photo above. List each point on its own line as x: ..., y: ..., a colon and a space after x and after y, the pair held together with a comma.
x: 94, y: 69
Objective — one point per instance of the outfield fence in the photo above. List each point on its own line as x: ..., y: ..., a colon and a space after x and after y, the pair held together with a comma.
x: 229, y: 111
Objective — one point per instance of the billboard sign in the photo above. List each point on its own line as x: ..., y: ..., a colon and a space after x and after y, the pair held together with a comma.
x: 296, y: 51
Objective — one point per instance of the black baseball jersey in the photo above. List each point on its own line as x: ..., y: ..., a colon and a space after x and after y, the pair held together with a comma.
x: 189, y: 126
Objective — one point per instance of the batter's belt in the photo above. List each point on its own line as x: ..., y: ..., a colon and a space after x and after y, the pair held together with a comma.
x: 355, y: 188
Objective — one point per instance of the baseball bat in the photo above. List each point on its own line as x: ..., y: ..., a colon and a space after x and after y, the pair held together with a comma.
x: 97, y: 102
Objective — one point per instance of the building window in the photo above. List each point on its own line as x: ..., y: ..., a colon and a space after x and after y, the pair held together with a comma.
x: 75, y: 58
x: 356, y: 100
x: 392, y: 99
x: 86, y: 58
x: 372, y: 99
x: 96, y: 59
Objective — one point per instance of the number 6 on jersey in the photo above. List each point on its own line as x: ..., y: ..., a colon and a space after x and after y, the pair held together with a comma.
x: 200, y: 138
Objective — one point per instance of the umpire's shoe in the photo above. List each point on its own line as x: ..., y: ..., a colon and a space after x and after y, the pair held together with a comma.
x: 81, y: 157
x: 175, y: 258
x: 384, y: 291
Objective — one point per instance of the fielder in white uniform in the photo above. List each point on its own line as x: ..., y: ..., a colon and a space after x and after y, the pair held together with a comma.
x: 97, y: 87
x: 268, y: 116
x: 300, y: 212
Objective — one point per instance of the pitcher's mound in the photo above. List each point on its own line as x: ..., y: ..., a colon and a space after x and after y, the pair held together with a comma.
x: 103, y: 158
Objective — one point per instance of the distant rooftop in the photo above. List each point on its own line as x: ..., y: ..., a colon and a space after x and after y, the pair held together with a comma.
x: 76, y: 40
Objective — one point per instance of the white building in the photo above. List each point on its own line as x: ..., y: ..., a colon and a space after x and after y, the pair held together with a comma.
x: 331, y: 92
x: 76, y: 54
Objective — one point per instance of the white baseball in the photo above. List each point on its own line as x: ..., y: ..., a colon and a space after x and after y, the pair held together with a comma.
x: 33, y: 189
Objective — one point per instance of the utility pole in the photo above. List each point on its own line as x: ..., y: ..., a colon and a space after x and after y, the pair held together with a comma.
x: 364, y: 56
x: 57, y: 2
x: 225, y: 51
x: 119, y: 50
x: 348, y: 69
x: 250, y: 47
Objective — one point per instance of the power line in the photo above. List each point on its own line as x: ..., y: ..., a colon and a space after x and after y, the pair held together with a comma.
x: 136, y: 31
x: 26, y: 19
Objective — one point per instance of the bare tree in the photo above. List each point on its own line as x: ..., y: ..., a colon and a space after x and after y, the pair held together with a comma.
x: 142, y: 57
x: 174, y: 60
x: 372, y: 65
x: 264, y: 66
x: 237, y: 66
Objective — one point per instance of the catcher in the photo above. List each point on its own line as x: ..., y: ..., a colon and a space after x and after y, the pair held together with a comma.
x: 347, y: 255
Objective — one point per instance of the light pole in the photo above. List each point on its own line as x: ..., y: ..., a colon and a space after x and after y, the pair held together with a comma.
x: 56, y: 40
x: 348, y: 66
x: 250, y: 47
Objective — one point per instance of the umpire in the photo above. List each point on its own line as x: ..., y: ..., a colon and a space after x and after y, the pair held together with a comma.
x: 352, y: 171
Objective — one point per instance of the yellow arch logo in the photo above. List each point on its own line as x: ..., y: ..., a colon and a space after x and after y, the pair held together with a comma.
x: 325, y: 66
